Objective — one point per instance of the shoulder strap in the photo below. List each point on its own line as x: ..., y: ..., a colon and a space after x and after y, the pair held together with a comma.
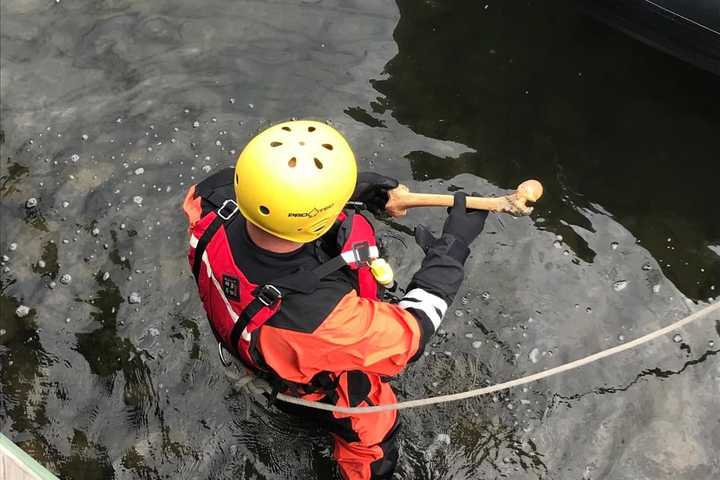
x: 202, y: 245
x: 223, y: 215
x: 217, y: 188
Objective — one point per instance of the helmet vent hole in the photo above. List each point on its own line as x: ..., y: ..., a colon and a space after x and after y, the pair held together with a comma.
x: 237, y: 179
x: 318, y: 163
x: 287, y: 129
x: 327, y: 146
x: 292, y: 162
x: 264, y: 210
x: 311, y: 129
x: 275, y: 144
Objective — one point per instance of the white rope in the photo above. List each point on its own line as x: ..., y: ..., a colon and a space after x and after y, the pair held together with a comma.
x: 512, y: 383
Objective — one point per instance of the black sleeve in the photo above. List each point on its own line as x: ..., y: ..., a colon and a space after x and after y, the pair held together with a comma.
x: 435, y: 285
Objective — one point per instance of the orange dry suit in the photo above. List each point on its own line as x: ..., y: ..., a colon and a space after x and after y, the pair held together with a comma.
x: 311, y: 319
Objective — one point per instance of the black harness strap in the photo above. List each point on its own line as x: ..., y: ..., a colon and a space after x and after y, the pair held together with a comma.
x: 332, y: 265
x: 222, y: 216
x: 202, y: 245
x: 266, y: 296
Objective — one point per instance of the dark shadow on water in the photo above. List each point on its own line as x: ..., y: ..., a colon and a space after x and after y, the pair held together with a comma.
x: 537, y: 90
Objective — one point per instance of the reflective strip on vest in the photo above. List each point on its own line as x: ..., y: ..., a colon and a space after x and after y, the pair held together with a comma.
x: 349, y: 256
x: 231, y: 312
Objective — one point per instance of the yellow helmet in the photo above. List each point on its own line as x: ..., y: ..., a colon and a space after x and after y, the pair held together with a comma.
x: 293, y: 179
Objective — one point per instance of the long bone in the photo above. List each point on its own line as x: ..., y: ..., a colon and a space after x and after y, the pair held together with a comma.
x: 401, y: 198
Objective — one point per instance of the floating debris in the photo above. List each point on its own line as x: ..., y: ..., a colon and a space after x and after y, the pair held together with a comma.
x: 459, y: 313
x: 443, y: 438
x: 139, y: 171
x: 647, y: 267
x: 65, y: 204
x: 66, y: 279
x: 485, y: 295
x: 106, y: 276
x: 476, y: 344
x: 154, y: 332
x: 614, y: 245
x: 95, y: 232
x: 138, y: 199
x: 12, y: 247
x: 620, y: 285
x: 31, y: 203
x: 232, y: 100
x: 656, y: 288
x: 534, y: 355
x: 677, y: 338
x: 196, y: 124
x: 711, y: 343
x: 134, y: 298
x: 75, y: 157
x: 85, y: 137
x: 41, y: 263
x: 557, y: 244
x: 206, y: 168
x: 22, y: 311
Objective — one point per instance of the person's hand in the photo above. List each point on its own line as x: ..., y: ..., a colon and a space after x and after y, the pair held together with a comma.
x: 372, y: 190
x: 464, y: 224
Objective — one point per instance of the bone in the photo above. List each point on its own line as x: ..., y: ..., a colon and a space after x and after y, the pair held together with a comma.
x: 529, y: 191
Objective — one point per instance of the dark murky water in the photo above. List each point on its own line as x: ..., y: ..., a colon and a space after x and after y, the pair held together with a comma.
x: 111, y: 109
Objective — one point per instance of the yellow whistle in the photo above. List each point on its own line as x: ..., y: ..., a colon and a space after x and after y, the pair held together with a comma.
x: 382, y: 271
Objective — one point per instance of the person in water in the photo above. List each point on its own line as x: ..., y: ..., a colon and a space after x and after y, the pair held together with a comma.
x: 284, y: 268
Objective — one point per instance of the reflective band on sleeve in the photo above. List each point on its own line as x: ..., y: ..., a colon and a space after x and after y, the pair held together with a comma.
x: 245, y: 335
x: 431, y: 305
x: 193, y: 241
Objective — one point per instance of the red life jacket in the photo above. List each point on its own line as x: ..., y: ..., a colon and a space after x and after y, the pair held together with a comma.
x: 236, y: 307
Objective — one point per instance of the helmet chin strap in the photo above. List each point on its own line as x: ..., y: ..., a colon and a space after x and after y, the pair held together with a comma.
x: 270, y: 242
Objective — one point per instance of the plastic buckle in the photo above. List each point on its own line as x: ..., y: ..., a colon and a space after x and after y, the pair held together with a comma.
x: 361, y: 252
x: 222, y: 208
x: 269, y: 295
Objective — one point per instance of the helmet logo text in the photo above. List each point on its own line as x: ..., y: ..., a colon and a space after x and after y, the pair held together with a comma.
x: 312, y: 213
